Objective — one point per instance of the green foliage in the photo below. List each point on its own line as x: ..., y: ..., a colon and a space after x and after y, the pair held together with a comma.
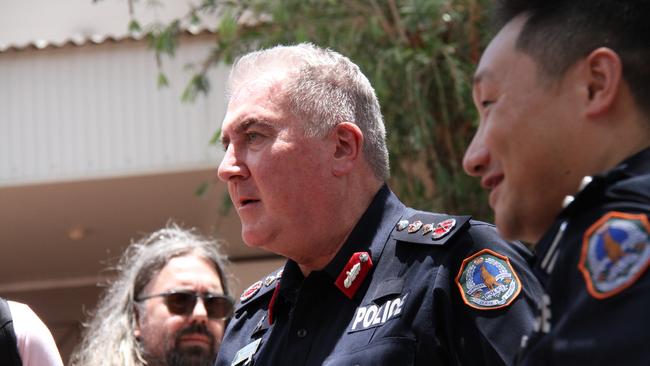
x: 162, y: 80
x: 134, y: 26
x: 198, y: 84
x: 418, y: 54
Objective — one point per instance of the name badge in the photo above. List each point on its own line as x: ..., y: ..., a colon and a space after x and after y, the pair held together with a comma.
x: 371, y: 316
x: 245, y: 355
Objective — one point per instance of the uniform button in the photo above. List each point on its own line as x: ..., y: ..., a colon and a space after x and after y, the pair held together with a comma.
x: 301, y: 333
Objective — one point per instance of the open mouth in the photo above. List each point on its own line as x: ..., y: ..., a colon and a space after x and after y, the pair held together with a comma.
x: 246, y: 202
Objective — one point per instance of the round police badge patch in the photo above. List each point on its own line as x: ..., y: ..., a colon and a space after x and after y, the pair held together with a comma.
x: 487, y: 281
x: 250, y: 291
x: 615, y: 253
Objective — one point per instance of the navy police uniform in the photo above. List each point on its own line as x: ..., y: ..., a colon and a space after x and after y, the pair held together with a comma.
x: 406, y: 288
x: 592, y: 264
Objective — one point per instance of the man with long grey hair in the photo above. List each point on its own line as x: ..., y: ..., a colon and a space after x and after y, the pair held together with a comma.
x: 167, y: 306
x: 368, y: 280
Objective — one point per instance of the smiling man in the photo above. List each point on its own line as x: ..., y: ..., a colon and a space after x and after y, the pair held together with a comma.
x: 167, y: 306
x: 367, y: 280
x: 563, y: 146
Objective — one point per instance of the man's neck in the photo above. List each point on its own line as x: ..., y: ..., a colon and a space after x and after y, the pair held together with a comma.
x: 357, y: 205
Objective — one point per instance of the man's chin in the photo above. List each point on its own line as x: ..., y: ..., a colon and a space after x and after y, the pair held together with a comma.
x: 507, y: 228
x: 190, y: 356
x: 253, y: 237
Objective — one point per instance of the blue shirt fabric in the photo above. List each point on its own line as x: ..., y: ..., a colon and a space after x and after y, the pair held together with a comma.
x: 408, y: 310
x: 574, y: 327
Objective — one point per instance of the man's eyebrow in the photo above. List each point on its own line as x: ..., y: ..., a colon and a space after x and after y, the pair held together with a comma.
x: 245, y: 125
x: 250, y: 122
x: 477, y: 78
x: 480, y: 76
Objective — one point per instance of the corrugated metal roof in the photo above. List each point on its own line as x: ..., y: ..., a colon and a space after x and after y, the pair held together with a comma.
x: 38, y: 24
x: 82, y: 40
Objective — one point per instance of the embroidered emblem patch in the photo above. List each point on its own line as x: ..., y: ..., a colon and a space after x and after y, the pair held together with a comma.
x: 487, y: 281
x: 615, y: 253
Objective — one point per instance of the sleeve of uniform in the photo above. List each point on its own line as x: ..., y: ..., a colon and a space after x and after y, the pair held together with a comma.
x: 494, y: 296
x: 603, y: 302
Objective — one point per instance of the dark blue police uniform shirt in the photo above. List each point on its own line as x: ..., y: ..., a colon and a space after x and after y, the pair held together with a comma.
x: 593, y: 264
x: 409, y: 309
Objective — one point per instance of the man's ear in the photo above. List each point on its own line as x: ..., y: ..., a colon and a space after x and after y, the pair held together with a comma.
x: 604, y: 77
x: 137, y: 332
x: 349, y: 142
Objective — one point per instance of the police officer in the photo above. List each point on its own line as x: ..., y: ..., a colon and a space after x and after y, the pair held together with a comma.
x: 368, y: 281
x: 562, y: 92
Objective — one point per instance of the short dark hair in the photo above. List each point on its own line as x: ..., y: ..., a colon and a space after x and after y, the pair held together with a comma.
x: 558, y: 33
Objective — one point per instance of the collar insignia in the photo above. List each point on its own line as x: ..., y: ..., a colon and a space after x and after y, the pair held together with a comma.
x: 353, y: 274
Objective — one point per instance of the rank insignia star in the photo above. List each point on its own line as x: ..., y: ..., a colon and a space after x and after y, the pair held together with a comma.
x: 414, y: 226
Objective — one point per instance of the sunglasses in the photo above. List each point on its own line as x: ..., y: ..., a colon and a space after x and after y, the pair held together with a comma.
x: 183, y: 303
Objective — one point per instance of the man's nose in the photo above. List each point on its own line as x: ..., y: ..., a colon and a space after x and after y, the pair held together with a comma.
x: 199, y: 309
x: 477, y: 157
x: 232, y: 166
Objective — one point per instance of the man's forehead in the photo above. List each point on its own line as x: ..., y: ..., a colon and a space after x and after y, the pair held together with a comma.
x: 500, y: 48
x: 268, y: 79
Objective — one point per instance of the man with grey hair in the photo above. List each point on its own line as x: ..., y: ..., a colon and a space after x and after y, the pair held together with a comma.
x: 367, y: 280
x: 167, y: 306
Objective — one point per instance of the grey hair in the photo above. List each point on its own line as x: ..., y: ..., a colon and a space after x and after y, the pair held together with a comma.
x: 109, y: 338
x: 323, y: 88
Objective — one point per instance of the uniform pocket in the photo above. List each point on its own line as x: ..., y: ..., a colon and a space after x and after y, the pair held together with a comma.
x: 385, y: 351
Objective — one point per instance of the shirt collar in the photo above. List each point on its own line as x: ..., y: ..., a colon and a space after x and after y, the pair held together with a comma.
x: 370, y: 234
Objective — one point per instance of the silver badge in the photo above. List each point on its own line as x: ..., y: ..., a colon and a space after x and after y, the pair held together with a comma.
x: 414, y: 227
x: 402, y: 224
x: 427, y: 229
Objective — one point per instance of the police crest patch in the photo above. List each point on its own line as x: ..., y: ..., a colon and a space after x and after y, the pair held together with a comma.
x: 487, y: 281
x: 615, y: 253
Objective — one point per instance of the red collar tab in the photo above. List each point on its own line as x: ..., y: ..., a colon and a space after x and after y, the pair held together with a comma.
x: 353, y: 274
x: 274, y: 297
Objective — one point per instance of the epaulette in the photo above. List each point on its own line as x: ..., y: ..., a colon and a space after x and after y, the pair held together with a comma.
x: 259, y: 289
x: 429, y: 228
